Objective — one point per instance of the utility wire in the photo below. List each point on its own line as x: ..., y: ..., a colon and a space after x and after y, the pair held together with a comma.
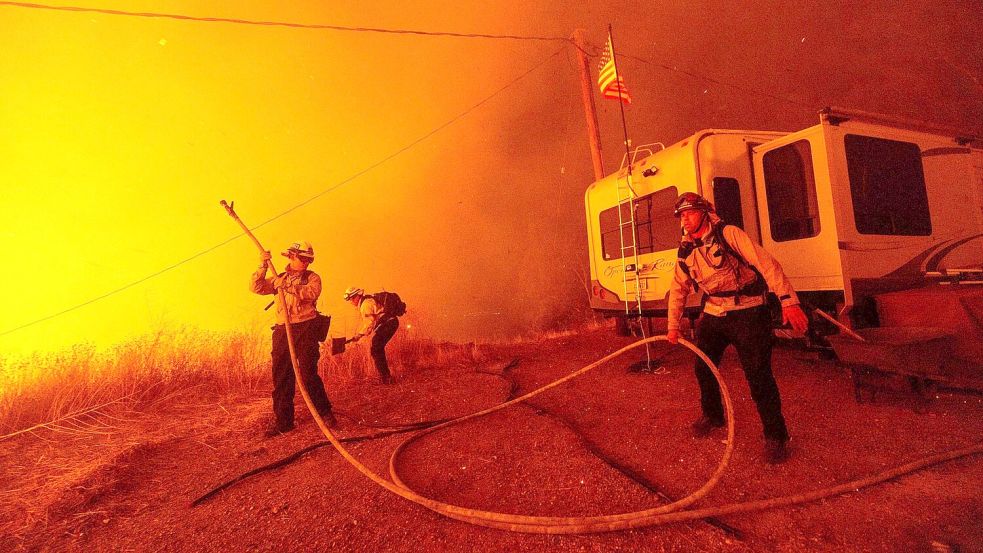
x: 183, y: 17
x: 719, y: 82
x: 120, y: 289
x: 370, y: 167
x: 294, y: 207
x: 411, y: 144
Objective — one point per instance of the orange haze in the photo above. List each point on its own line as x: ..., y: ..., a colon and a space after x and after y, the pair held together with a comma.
x: 119, y: 135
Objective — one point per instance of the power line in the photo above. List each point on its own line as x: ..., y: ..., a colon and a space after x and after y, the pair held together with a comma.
x: 120, y: 289
x: 722, y: 83
x: 717, y: 81
x: 183, y: 17
x: 294, y: 207
x: 415, y: 142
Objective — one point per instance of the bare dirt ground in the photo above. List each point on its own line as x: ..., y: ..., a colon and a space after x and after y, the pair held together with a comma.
x: 610, y: 441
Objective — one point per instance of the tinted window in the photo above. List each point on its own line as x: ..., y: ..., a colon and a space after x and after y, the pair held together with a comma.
x: 887, y: 185
x: 790, y: 186
x: 727, y: 200
x: 657, y: 229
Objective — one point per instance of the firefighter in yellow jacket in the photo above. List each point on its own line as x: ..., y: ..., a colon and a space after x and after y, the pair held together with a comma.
x: 376, y: 323
x: 735, y: 275
x: 301, y: 288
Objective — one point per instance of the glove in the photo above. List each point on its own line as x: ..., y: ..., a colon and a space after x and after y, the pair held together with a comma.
x: 281, y: 281
x: 794, y: 316
x: 264, y: 262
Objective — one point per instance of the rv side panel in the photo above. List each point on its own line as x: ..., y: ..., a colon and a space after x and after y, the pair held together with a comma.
x: 908, y: 203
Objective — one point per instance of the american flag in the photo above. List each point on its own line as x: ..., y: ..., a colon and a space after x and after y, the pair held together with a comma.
x: 611, y: 83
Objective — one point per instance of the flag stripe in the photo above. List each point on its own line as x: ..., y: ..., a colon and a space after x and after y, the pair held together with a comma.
x: 612, y: 85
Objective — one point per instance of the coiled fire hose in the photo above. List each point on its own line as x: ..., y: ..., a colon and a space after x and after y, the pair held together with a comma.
x: 672, y: 512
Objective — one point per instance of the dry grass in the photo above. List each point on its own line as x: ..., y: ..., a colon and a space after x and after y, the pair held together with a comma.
x: 406, y: 353
x: 581, y: 322
x: 76, y: 424
x: 84, y: 391
x: 75, y: 390
x: 73, y: 424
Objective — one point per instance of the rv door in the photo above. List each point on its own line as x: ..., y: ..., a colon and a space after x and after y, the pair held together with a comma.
x: 795, y: 209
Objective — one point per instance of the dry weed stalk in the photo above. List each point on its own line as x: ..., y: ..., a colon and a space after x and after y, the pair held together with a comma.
x: 75, y: 422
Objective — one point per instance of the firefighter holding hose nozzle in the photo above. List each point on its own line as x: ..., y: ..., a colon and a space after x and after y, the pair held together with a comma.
x: 735, y: 275
x: 301, y: 288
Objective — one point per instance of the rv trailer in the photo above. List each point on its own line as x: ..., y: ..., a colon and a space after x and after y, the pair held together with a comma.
x: 855, y: 207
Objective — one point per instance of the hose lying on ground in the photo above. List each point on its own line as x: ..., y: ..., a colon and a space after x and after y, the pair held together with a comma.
x: 301, y: 452
x: 531, y: 523
x: 386, y: 430
x: 673, y: 512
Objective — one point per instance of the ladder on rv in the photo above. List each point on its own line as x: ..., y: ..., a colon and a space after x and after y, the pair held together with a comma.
x: 629, y: 249
x: 629, y: 244
x: 626, y: 197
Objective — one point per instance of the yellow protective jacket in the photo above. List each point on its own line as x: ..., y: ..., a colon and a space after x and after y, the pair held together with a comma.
x: 370, y: 312
x: 719, y: 272
x: 301, y: 298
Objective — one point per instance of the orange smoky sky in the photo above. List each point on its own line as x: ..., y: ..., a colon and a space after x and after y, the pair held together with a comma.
x: 421, y: 164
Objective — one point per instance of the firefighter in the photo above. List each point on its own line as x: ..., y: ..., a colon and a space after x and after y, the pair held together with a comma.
x: 301, y: 288
x: 377, y: 323
x: 735, y: 275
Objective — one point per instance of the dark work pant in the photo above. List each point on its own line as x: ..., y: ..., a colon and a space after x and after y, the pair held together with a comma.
x: 380, y: 338
x: 750, y: 332
x: 308, y: 353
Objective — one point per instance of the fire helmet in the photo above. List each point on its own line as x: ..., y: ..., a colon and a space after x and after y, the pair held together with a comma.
x: 353, y: 291
x: 691, y: 200
x: 300, y: 249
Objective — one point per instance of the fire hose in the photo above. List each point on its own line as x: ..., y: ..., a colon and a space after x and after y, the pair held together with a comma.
x: 673, y: 512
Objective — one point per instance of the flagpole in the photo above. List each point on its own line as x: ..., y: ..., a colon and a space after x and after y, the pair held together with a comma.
x: 631, y: 192
x: 621, y: 106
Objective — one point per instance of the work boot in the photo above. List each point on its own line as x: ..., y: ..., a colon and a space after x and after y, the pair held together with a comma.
x: 776, y: 451
x: 705, y: 425
x: 277, y: 430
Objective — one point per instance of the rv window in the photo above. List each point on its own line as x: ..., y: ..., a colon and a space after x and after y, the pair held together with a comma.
x: 657, y: 229
x: 888, y: 186
x: 727, y: 200
x: 790, y: 186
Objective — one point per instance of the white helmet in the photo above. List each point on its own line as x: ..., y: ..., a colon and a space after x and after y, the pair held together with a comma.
x: 353, y: 291
x: 300, y: 249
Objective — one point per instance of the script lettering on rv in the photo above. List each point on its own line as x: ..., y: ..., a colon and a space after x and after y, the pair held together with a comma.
x: 660, y: 265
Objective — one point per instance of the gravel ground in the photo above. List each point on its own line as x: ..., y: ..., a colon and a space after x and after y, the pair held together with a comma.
x: 610, y: 441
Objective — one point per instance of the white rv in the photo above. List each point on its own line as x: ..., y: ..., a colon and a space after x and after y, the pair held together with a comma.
x: 855, y: 206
